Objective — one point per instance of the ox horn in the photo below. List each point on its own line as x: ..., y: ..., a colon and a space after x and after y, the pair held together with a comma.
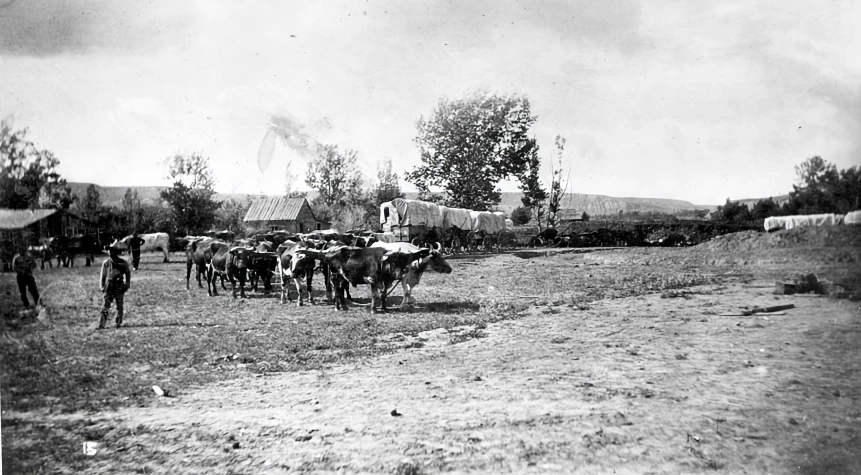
x: 437, y: 247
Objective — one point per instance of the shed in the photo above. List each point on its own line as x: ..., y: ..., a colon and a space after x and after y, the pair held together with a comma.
x: 27, y: 226
x: 569, y: 214
x: 283, y: 214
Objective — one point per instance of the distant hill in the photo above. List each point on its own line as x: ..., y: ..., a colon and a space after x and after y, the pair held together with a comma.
x: 780, y: 199
x: 595, y: 205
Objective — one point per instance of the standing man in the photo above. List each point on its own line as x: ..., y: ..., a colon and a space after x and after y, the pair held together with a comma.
x: 135, y: 244
x: 114, y: 281
x: 23, y: 263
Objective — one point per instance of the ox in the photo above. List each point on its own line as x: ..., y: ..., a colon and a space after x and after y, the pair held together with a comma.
x: 374, y: 266
x: 67, y: 248
x: 44, y: 252
x: 413, y: 275
x: 228, y: 261
x: 298, y: 262
x: 151, y: 242
x: 263, y: 263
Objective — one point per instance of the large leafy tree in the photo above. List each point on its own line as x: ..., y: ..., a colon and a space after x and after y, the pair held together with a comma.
x: 28, y: 175
x: 469, y: 145
x: 192, y: 196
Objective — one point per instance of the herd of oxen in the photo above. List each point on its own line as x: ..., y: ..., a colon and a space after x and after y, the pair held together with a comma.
x: 288, y: 259
x: 292, y: 259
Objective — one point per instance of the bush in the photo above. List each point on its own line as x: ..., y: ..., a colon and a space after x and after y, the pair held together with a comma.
x: 521, y: 216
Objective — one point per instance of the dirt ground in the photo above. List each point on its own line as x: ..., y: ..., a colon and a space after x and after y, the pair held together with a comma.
x: 625, y: 382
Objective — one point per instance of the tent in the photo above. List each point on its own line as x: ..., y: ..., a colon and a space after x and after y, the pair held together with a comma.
x: 456, y: 218
x: 401, y: 212
x: 488, y: 222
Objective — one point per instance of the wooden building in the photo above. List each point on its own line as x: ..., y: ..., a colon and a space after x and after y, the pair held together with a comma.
x: 25, y: 227
x: 283, y: 214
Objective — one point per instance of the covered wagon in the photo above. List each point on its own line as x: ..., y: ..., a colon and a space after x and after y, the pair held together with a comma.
x: 419, y: 222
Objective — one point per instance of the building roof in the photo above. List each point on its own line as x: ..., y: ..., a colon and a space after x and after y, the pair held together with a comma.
x: 21, y: 218
x: 569, y: 214
x: 274, y: 209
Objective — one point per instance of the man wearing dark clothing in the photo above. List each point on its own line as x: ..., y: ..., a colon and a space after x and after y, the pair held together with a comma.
x: 135, y: 244
x: 23, y: 263
x: 114, y: 281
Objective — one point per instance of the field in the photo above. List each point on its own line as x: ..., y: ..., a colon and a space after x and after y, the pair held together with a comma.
x: 557, y: 361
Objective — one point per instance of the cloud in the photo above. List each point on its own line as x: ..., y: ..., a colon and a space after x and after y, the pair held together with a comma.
x: 53, y: 27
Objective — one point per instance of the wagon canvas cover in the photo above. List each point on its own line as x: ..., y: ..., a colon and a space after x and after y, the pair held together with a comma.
x: 789, y: 222
x: 411, y: 213
x: 852, y: 217
x: 456, y: 218
x: 488, y: 222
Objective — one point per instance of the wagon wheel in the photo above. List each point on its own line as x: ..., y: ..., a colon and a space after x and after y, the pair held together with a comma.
x: 417, y: 242
x: 455, y: 245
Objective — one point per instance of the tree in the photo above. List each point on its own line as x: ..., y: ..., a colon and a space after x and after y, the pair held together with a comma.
x: 733, y: 212
x: 290, y: 190
x: 132, y: 213
x: 820, y: 188
x: 91, y: 205
x: 585, y: 216
x: 765, y: 208
x: 191, y: 198
x: 534, y: 194
x: 231, y: 216
x: 335, y: 176
x: 28, y: 175
x: 557, y: 189
x: 468, y: 145
x: 521, y: 215
x: 387, y: 186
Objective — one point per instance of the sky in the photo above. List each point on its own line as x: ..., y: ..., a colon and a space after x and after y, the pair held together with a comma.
x: 699, y: 101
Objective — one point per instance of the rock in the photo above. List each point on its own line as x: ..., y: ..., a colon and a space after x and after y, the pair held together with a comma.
x: 236, y: 445
x: 478, y: 378
x: 304, y: 438
x: 837, y: 393
x: 475, y: 437
x: 792, y: 421
x: 395, y: 413
x: 158, y: 391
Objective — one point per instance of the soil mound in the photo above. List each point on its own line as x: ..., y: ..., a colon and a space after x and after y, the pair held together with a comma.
x: 826, y: 236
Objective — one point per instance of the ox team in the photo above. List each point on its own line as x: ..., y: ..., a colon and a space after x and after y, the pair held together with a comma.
x: 344, y: 260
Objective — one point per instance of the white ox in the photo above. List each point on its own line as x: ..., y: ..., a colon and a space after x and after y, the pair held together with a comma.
x: 414, y: 272
x: 152, y: 242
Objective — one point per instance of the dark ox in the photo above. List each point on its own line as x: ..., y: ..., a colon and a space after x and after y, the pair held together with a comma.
x: 231, y: 262
x: 433, y: 261
x: 544, y: 237
x: 373, y: 266
x: 263, y: 264
x: 67, y: 248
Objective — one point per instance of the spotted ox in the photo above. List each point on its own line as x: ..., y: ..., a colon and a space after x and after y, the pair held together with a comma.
x: 373, y: 266
x: 433, y: 261
x: 298, y: 263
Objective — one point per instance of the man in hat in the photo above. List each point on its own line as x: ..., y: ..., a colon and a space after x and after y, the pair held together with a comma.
x: 23, y: 263
x: 135, y: 244
x: 114, y: 281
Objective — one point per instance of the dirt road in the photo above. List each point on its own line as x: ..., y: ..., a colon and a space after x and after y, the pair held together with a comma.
x: 635, y: 385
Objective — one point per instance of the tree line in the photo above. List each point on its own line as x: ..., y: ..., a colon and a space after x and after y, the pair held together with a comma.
x: 819, y: 188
